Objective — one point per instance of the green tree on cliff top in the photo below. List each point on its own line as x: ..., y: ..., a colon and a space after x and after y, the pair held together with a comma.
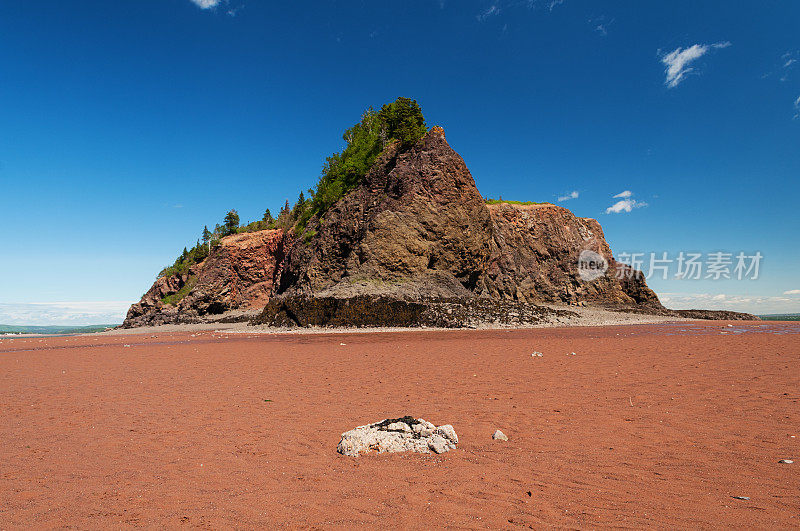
x: 401, y: 120
x: 231, y: 222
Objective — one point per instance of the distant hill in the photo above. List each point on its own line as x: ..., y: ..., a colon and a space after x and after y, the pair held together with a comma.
x: 53, y: 330
x: 781, y: 317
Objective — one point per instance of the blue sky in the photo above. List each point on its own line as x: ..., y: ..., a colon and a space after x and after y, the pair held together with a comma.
x: 126, y: 126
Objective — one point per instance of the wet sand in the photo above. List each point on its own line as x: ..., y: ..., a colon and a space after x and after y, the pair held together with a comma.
x: 646, y: 426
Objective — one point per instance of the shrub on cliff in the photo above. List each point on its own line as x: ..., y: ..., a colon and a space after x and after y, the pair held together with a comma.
x: 490, y: 201
x: 400, y: 121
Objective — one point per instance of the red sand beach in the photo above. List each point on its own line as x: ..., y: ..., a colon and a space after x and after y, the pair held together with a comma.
x: 646, y: 426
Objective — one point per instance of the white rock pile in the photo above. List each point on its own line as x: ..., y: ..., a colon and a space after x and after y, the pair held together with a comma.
x: 405, y: 434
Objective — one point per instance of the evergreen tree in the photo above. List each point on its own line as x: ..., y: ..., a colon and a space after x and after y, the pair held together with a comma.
x: 231, y: 222
x: 403, y: 120
x: 299, y: 207
x: 400, y: 120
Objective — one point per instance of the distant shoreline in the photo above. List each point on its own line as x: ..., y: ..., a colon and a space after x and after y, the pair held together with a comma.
x: 51, y: 330
x: 587, y: 318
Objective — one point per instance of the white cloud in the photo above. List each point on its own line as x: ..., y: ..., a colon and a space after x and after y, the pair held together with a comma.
x: 789, y: 60
x: 756, y: 304
x: 792, y: 292
x: 497, y: 7
x: 678, y: 60
x: 63, y: 313
x: 786, y: 65
x: 572, y: 195
x: 797, y: 108
x: 491, y: 11
x: 626, y: 205
x: 206, y: 4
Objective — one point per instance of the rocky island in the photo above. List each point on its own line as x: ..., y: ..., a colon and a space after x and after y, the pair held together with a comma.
x: 397, y: 234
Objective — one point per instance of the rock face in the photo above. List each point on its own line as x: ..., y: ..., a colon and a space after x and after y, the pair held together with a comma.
x: 413, y: 244
x: 405, y: 434
x: 239, y: 274
x: 385, y: 311
x: 535, y: 250
x: 415, y: 228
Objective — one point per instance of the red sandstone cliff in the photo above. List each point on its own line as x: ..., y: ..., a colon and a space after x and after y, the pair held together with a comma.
x: 239, y: 274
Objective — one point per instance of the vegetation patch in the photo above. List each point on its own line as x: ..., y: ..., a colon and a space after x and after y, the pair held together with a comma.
x: 309, y: 235
x: 181, y: 293
x: 400, y: 121
x: 501, y: 200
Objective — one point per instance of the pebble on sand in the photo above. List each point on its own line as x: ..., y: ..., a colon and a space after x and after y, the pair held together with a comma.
x: 499, y: 436
x: 786, y: 461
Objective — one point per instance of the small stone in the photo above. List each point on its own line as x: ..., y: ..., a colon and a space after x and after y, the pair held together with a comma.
x: 786, y: 461
x: 438, y: 444
x: 741, y: 497
x: 447, y: 431
x: 422, y: 429
x: 536, y: 354
x: 499, y: 436
x: 428, y: 425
